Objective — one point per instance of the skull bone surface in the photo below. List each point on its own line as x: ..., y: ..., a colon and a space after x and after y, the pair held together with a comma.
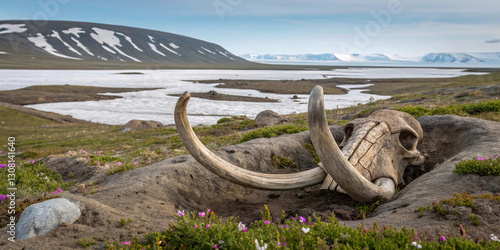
x: 375, y: 152
x: 381, y: 146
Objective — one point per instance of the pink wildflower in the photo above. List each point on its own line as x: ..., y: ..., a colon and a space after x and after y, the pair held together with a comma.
x: 267, y: 222
x: 215, y: 246
x: 119, y: 163
x: 442, y: 238
x: 201, y: 214
x: 208, y: 226
x: 126, y: 243
x: 195, y: 226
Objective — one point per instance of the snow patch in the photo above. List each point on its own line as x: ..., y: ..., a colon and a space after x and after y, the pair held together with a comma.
x: 74, y: 31
x: 207, y: 50
x: 129, y: 39
x: 167, y: 48
x: 1, y: 52
x: 79, y: 44
x: 108, y: 49
x: 108, y: 37
x: 173, y: 45
x: 222, y: 53
x: 152, y: 39
x: 56, y: 35
x: 201, y: 52
x: 42, y: 43
x: 153, y: 47
x: 12, y: 28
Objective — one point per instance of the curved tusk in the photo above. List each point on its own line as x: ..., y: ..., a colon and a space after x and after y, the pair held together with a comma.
x: 231, y: 172
x: 334, y: 162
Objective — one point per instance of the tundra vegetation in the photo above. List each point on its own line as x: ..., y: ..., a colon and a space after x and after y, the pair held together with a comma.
x: 37, y: 138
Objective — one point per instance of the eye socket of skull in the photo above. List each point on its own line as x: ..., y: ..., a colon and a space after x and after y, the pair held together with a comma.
x: 408, y: 140
x: 347, y: 134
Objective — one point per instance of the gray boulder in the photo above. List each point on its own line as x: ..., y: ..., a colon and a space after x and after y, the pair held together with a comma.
x: 41, y: 218
x: 269, y: 118
x: 138, y: 125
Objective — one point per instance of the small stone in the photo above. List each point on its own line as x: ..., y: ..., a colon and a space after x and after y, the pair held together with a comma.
x: 81, y: 188
x: 300, y: 196
x: 273, y: 196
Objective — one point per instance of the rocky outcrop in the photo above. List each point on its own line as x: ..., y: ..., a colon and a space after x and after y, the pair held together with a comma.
x: 269, y: 118
x: 139, y: 125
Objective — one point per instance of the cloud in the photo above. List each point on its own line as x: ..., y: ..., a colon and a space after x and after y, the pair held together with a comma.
x: 492, y: 41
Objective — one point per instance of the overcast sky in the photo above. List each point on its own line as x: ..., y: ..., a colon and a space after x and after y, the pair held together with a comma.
x: 407, y: 27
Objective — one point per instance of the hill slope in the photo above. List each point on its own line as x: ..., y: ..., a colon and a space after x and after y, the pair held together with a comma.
x: 77, y: 43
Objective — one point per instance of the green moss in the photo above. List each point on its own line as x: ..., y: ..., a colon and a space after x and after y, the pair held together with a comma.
x: 284, y: 162
x: 312, y: 150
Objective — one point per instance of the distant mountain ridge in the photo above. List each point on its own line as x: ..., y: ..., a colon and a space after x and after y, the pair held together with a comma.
x: 430, y: 58
x: 81, y: 41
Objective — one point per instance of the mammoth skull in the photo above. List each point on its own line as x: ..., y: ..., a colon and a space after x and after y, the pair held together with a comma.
x: 375, y: 152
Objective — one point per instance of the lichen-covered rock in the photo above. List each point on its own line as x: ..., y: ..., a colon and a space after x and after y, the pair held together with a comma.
x: 41, y: 218
x: 269, y: 118
x: 138, y: 125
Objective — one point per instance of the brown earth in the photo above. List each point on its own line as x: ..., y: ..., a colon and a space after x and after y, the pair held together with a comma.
x: 61, y: 93
x: 151, y: 195
x: 294, y: 87
x: 223, y: 97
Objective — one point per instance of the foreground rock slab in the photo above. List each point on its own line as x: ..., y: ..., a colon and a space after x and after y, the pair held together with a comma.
x: 41, y: 218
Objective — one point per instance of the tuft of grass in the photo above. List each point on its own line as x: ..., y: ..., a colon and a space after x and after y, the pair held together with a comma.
x: 269, y: 132
x: 366, y: 208
x: 284, y: 162
x: 480, y: 166
x: 206, y: 230
x: 312, y: 150
x: 86, y: 243
x: 474, y: 219
x: 124, y: 222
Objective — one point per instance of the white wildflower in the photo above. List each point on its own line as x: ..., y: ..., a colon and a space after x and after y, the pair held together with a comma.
x: 241, y: 226
x: 264, y: 247
x: 494, y: 238
x: 306, y: 230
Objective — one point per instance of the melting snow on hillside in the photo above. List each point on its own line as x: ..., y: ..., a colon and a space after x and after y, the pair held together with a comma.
x: 75, y: 31
x: 56, y: 35
x: 108, y: 37
x: 42, y: 43
x: 12, y: 28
